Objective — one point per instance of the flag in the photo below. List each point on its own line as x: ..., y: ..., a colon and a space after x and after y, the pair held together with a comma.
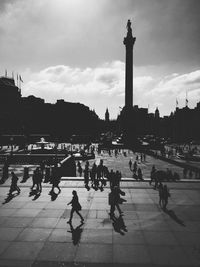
x: 186, y: 99
x: 20, y: 78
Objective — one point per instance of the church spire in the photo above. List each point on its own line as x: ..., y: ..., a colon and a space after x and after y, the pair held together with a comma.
x: 107, y: 115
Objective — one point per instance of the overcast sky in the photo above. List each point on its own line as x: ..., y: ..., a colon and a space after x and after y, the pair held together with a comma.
x: 73, y: 50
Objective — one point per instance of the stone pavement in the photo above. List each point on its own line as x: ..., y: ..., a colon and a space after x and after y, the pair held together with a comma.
x: 35, y: 232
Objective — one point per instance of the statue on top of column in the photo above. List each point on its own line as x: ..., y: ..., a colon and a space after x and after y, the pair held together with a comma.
x: 128, y: 26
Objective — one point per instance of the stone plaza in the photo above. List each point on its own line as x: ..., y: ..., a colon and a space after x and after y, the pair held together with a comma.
x: 34, y: 232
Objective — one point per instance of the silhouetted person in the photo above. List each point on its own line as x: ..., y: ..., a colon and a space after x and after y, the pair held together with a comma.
x: 38, y: 177
x: 76, y: 207
x: 47, y: 174
x: 34, y: 181
x: 140, y: 174
x: 93, y: 173
x: 114, y: 200
x: 153, y: 170
x: 26, y: 175
x: 160, y: 192
x: 76, y: 233
x: 166, y: 195
x: 118, y: 177
x: 86, y: 175
x: 80, y: 170
x: 135, y: 166
x: 111, y: 178
x: 55, y: 179
x: 130, y: 164
x: 5, y: 171
x: 42, y: 167
x: 14, y: 186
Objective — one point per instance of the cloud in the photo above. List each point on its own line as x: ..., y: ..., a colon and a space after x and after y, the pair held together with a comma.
x: 96, y: 87
x: 176, y: 86
x: 104, y: 85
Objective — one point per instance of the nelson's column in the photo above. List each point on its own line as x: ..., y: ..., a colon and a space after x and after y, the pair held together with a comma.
x: 127, y: 114
x: 129, y: 41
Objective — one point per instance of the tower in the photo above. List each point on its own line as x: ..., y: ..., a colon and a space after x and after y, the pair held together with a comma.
x: 107, y: 116
x: 129, y: 41
x: 157, y: 113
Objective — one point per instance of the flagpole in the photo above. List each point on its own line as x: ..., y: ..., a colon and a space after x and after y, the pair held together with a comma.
x: 176, y: 103
x: 186, y: 100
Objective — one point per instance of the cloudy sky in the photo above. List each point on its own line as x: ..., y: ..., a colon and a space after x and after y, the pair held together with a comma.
x: 73, y: 50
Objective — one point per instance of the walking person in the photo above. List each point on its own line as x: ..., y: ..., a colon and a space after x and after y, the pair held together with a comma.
x: 34, y: 180
x: 160, y: 192
x: 93, y: 174
x: 38, y: 178
x: 76, y: 207
x: 114, y: 200
x: 166, y: 195
x: 140, y: 174
x: 86, y: 175
x: 80, y: 170
x: 130, y: 164
x: 153, y: 171
x: 55, y: 180
x: 14, y: 186
x: 5, y: 171
x: 135, y: 167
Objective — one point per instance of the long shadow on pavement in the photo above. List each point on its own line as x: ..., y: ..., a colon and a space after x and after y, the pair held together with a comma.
x: 10, y: 197
x: 119, y: 225
x: 174, y: 217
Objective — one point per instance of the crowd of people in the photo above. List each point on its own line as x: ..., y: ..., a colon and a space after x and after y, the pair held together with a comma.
x: 95, y: 176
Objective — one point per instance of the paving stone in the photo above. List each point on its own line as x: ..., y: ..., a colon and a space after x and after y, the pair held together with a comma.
x: 50, y: 213
x: 3, y: 245
x: 16, y: 222
x: 34, y: 234
x: 61, y: 235
x: 44, y: 223
x: 129, y: 237
x: 22, y: 251
x: 131, y: 254
x: 9, y: 234
x: 94, y: 253
x: 169, y: 256
x: 100, y: 236
x: 25, y: 212
x: 160, y: 238
x: 53, y: 251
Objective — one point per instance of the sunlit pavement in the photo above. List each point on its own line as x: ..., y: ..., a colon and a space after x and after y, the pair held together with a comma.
x: 34, y: 232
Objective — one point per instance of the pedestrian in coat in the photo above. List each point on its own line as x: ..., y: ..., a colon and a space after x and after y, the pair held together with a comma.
x: 76, y: 207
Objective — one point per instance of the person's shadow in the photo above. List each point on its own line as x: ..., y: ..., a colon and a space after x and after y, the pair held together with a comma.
x: 172, y: 214
x: 10, y: 197
x: 53, y: 195
x: 34, y: 193
x: 119, y: 225
x: 76, y: 233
